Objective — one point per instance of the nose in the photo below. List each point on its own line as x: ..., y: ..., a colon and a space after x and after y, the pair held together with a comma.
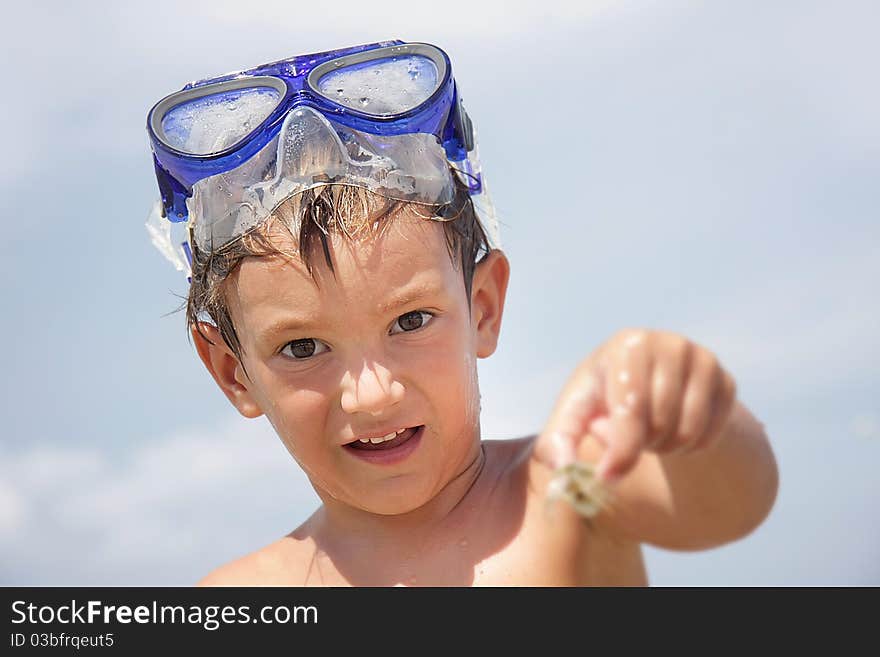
x: 370, y: 388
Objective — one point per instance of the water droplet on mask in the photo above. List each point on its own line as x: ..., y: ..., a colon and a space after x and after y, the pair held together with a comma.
x: 364, y: 101
x: 232, y: 107
x: 340, y: 91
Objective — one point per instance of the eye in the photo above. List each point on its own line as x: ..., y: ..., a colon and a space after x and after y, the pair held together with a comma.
x: 305, y: 348
x: 412, y: 320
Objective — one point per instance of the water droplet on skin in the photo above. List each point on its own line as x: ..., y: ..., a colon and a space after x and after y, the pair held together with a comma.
x: 463, y: 543
x: 623, y: 377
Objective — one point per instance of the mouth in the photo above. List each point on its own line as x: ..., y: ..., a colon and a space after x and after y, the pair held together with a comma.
x: 386, y: 442
x: 387, y: 450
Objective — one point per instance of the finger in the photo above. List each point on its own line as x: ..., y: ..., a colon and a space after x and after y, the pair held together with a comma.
x: 600, y: 429
x: 722, y: 408
x: 702, y: 381
x: 627, y: 389
x: 667, y: 391
x: 578, y: 405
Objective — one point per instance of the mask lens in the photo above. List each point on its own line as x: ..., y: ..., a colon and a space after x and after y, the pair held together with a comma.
x: 382, y: 87
x: 213, y: 123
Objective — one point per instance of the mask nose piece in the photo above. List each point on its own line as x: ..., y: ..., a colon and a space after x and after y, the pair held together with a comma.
x: 310, y: 148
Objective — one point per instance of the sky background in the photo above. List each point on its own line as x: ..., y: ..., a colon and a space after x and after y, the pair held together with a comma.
x: 708, y: 168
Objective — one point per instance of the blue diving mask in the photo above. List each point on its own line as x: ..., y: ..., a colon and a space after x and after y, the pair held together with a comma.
x: 385, y: 116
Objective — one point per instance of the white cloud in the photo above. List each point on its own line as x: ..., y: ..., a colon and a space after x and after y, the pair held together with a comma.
x: 12, y: 511
x: 168, y: 511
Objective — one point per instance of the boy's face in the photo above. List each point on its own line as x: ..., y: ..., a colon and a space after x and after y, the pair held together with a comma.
x: 387, y: 343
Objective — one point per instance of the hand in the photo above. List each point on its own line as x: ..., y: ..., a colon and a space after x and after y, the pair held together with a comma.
x: 640, y: 390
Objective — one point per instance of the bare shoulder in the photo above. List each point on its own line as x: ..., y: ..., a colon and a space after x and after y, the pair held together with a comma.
x: 508, y: 452
x: 509, y: 465
x: 279, y: 563
x: 510, y: 460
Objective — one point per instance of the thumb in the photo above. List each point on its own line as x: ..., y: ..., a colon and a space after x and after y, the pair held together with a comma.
x: 580, y: 403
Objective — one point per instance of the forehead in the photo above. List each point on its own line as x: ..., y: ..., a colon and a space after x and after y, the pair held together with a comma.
x: 408, y: 255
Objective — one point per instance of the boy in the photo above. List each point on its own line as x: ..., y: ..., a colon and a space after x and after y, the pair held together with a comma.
x: 346, y: 276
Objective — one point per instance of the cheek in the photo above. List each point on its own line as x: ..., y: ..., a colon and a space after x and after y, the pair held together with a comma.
x: 298, y: 415
x: 449, y: 369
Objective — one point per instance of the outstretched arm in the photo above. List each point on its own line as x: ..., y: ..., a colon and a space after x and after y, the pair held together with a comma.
x: 689, y: 466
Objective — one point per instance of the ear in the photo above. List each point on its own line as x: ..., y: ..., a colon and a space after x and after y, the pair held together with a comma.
x: 226, y: 369
x: 488, y: 292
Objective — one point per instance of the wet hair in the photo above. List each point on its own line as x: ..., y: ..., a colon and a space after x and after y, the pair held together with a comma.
x: 316, y: 214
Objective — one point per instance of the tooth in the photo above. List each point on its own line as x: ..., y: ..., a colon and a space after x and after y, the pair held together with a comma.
x: 400, y: 431
x: 382, y: 439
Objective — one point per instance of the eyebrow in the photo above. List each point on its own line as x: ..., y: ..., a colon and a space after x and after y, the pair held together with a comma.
x: 409, y: 296
x: 405, y: 298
